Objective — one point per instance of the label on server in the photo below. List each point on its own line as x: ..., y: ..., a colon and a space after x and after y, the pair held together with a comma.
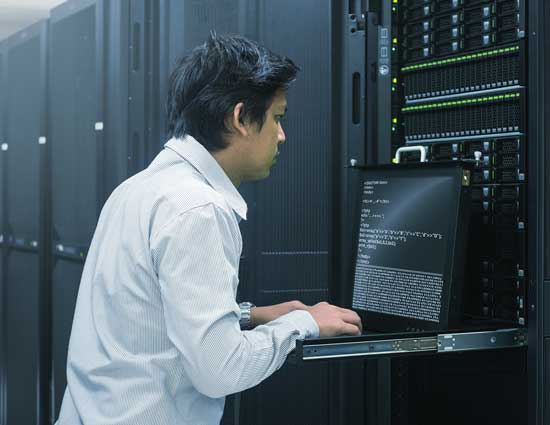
x: 402, y: 246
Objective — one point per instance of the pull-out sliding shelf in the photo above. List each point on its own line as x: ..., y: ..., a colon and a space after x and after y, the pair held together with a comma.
x: 380, y: 345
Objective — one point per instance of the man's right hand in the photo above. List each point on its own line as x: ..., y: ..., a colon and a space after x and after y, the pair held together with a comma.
x: 334, y: 321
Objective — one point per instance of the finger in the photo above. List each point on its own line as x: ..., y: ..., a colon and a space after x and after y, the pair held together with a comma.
x: 356, y: 320
x: 353, y: 318
x: 349, y: 329
x: 345, y: 310
x: 300, y: 305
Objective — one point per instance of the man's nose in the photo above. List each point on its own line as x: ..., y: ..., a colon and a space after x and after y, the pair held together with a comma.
x: 281, y: 134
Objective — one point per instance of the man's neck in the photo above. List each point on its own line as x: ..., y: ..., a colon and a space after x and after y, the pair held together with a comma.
x: 227, y: 161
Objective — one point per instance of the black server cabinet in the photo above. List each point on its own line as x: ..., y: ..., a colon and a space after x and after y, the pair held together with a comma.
x: 144, y: 137
x: 74, y: 98
x: 113, y: 111
x: 292, y: 212
x: 539, y: 187
x: 184, y: 25
x: 456, y: 77
x: 129, y: 111
x: 26, y: 295
x: 126, y: 83
x: 286, y: 237
x: 3, y: 110
x: 102, y: 91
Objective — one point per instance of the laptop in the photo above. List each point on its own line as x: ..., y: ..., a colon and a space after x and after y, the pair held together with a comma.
x: 409, y: 247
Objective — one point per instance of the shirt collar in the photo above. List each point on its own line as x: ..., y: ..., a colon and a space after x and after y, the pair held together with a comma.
x: 197, y: 155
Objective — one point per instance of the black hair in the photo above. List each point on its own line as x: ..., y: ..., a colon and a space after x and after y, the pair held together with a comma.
x: 206, y: 85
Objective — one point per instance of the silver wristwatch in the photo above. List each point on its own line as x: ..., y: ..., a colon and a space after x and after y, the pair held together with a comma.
x: 246, y: 307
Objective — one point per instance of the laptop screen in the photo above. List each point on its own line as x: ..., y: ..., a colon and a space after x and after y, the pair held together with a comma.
x: 409, y: 260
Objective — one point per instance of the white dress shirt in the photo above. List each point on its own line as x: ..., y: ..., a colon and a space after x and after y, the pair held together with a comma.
x: 155, y: 336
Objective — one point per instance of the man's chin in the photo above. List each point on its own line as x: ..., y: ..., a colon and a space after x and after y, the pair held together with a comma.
x: 259, y: 176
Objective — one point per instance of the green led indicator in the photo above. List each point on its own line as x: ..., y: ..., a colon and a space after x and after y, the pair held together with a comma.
x: 461, y: 102
x: 460, y: 58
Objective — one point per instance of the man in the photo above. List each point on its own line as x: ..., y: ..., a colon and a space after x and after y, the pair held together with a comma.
x: 156, y: 336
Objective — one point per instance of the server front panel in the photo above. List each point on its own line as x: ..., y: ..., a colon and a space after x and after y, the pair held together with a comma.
x: 459, y: 90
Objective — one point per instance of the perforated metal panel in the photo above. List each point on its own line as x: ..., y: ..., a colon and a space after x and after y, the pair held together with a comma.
x: 285, y: 253
x: 115, y: 91
x: 485, y: 381
x: 191, y: 21
x: 24, y: 323
x: 3, y: 106
x: 3, y: 111
x: 144, y: 131
x: 293, y: 204
x: 23, y: 131
x: 546, y: 379
x: 73, y: 103
x: 22, y: 333
x: 65, y: 282
x: 185, y: 25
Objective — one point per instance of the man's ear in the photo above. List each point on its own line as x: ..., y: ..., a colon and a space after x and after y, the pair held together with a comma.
x: 237, y: 120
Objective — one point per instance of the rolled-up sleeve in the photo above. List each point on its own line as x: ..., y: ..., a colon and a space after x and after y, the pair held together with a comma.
x: 196, y: 257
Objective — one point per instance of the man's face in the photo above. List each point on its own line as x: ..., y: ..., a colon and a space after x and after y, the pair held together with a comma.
x: 263, y: 145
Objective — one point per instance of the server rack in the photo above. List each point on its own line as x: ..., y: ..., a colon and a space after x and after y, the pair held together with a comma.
x: 292, y: 217
x: 183, y: 26
x: 277, y: 263
x: 113, y: 111
x: 103, y: 75
x: 472, y: 42
x: 459, y: 78
x: 144, y: 117
x: 538, y: 187
x: 26, y: 299
x: 73, y: 201
x: 3, y: 110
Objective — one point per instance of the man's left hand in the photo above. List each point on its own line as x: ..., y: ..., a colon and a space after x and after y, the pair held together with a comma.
x: 261, y: 315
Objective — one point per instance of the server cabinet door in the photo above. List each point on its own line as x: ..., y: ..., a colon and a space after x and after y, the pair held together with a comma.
x: 25, y: 302
x: 292, y: 212
x: 3, y: 109
x: 73, y: 103
x: 145, y: 139
x: 183, y: 26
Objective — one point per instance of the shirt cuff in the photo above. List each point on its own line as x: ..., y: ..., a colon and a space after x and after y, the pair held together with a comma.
x: 304, y: 322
